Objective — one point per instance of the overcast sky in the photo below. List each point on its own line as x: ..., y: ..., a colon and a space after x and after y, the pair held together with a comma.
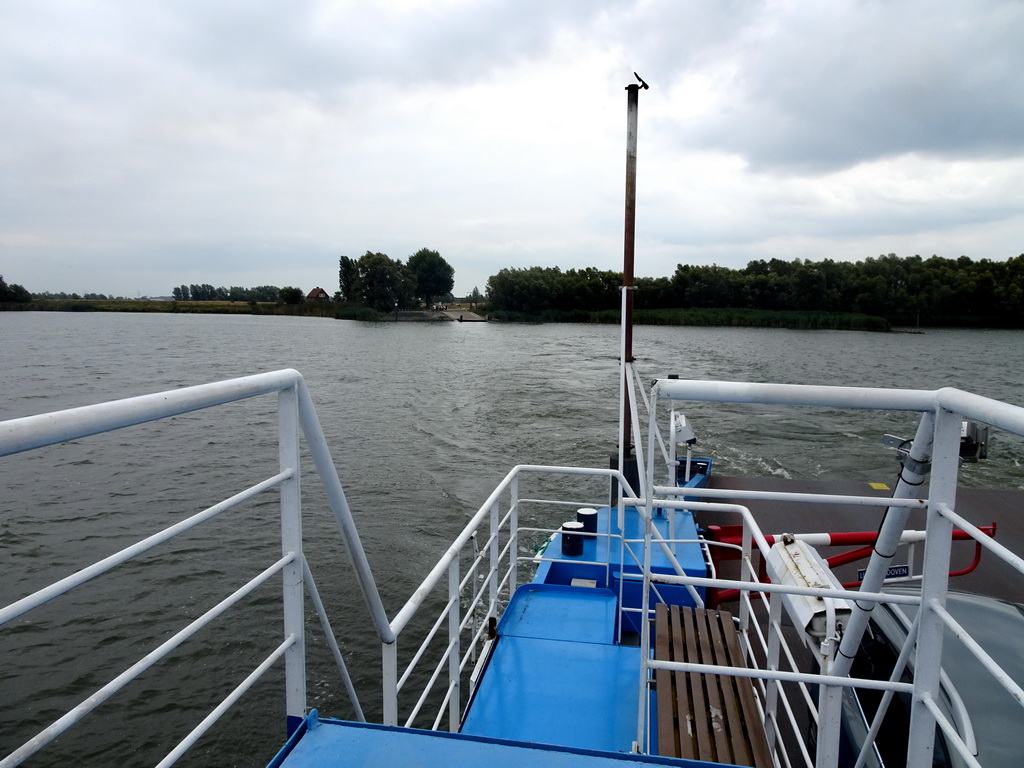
x: 247, y: 142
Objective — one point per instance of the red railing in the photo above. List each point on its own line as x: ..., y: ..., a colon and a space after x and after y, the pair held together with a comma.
x: 864, y: 541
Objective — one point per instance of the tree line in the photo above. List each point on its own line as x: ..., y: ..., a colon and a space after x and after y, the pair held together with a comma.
x: 206, y: 292
x: 904, y: 291
x: 65, y: 296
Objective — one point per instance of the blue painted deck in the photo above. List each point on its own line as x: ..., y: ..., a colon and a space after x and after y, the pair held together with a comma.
x: 555, y: 612
x: 322, y: 743
x: 558, y: 689
x: 556, y: 676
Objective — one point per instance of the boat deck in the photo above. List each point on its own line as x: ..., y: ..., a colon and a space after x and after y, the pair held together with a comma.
x: 556, y: 675
x: 558, y: 691
x: 322, y: 743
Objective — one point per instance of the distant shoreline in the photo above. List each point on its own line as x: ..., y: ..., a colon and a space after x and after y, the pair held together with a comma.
x: 718, y: 317
x: 309, y: 308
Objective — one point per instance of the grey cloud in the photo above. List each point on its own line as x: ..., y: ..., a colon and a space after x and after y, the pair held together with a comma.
x: 254, y: 137
x: 333, y: 48
x: 827, y: 88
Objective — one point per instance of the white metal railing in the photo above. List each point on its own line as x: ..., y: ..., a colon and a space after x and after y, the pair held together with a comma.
x: 491, y: 575
x: 480, y: 570
x: 772, y: 644
x: 295, y: 412
x: 937, y: 444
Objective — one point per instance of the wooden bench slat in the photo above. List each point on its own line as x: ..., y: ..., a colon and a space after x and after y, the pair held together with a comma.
x: 739, y: 745
x: 684, y: 722
x: 668, y: 717
x: 697, y: 714
x: 704, y: 716
x: 756, y: 737
x: 713, y: 684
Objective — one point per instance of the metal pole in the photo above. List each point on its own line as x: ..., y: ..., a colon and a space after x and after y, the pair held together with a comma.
x: 934, y: 582
x: 455, y: 646
x: 291, y: 544
x: 632, y: 104
x: 913, y: 473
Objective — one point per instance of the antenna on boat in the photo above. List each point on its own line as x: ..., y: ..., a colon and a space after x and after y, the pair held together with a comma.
x: 629, y: 240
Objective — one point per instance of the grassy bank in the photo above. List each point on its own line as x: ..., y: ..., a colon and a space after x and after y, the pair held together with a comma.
x: 746, y: 318
x: 306, y: 309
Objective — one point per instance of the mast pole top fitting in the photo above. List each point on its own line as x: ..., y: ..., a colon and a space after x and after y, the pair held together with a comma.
x: 642, y: 83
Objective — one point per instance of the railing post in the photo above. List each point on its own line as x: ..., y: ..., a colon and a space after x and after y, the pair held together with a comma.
x: 830, y: 711
x: 492, y: 587
x: 642, y: 743
x: 475, y: 621
x: 455, y: 652
x: 513, y: 533
x: 746, y: 573
x: 771, y: 699
x: 389, y: 681
x: 934, y: 582
x: 291, y: 541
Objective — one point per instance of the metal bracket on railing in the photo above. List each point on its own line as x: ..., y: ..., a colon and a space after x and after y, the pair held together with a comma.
x: 903, y: 446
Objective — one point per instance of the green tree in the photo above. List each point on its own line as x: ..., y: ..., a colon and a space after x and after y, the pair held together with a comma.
x: 265, y: 293
x: 434, y: 276
x: 13, y: 292
x: 290, y: 295
x: 530, y: 290
x: 204, y: 292
x: 383, y: 283
x: 348, y: 272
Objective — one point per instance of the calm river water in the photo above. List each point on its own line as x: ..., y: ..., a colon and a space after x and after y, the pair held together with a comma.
x: 422, y: 420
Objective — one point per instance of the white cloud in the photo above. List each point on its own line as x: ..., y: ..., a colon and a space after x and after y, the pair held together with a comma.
x: 244, y: 143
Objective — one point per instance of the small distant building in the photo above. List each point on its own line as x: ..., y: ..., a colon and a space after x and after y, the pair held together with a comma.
x: 318, y: 294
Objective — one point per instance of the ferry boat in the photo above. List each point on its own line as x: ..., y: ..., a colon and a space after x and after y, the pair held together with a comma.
x: 664, y: 622
x: 634, y: 633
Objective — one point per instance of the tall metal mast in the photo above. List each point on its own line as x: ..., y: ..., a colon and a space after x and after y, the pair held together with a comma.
x: 632, y: 105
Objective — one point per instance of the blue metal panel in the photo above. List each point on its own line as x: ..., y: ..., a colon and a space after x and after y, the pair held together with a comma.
x: 689, y: 555
x: 601, y: 549
x: 556, y: 612
x: 558, y: 692
x: 672, y: 524
x: 556, y: 676
x: 333, y: 742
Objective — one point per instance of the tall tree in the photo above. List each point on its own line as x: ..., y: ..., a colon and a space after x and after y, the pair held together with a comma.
x: 384, y: 283
x: 434, y: 276
x: 348, y: 272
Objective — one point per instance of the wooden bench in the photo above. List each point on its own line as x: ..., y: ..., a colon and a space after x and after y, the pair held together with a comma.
x: 704, y: 716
